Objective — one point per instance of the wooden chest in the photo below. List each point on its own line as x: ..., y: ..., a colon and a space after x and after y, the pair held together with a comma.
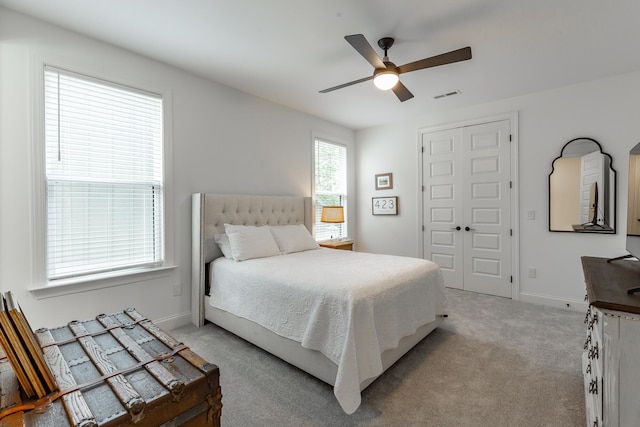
x: 116, y: 370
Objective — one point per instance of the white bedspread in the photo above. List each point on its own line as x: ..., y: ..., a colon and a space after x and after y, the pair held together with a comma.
x: 350, y: 306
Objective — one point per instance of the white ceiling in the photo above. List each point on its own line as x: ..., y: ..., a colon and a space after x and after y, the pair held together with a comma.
x: 286, y: 51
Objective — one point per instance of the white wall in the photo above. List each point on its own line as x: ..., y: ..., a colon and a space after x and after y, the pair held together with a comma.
x: 227, y: 141
x: 223, y: 141
x: 606, y: 110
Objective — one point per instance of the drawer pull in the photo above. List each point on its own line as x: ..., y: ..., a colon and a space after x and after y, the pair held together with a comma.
x: 593, y: 387
x: 593, y: 352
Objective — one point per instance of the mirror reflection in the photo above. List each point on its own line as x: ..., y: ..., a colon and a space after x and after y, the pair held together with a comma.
x: 633, y: 214
x: 582, y: 189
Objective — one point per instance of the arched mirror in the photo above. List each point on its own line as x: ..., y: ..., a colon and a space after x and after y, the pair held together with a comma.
x: 582, y: 189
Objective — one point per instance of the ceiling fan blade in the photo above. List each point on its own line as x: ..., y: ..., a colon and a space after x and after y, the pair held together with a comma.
x: 363, y: 47
x: 364, y: 79
x: 402, y: 92
x: 434, y: 61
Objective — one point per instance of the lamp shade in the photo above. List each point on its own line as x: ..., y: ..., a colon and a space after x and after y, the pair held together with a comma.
x: 333, y: 214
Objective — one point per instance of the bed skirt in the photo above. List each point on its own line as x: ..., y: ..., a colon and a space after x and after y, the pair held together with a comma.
x: 310, y: 361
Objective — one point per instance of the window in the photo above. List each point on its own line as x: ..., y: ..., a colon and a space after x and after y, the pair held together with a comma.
x: 330, y: 186
x: 104, y: 176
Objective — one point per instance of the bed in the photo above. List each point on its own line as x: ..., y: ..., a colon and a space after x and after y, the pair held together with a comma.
x: 306, y: 306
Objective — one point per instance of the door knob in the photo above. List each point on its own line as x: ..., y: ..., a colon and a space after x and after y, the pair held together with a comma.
x: 469, y: 229
x: 456, y: 228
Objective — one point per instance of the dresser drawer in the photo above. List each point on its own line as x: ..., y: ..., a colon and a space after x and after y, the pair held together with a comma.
x: 593, y: 403
x: 593, y: 387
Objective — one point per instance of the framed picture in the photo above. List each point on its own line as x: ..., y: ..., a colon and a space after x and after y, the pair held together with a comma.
x: 384, y: 205
x: 384, y: 181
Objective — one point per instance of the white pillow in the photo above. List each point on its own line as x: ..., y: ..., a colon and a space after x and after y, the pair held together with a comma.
x: 293, y: 238
x: 223, y: 243
x: 248, y: 241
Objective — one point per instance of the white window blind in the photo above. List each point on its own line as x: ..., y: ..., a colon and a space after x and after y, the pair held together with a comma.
x: 330, y: 186
x: 104, y: 176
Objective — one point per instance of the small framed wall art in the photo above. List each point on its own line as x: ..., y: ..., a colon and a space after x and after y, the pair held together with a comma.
x: 384, y: 205
x: 384, y: 181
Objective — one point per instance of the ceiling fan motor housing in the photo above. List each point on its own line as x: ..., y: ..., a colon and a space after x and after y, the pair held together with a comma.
x: 390, y: 67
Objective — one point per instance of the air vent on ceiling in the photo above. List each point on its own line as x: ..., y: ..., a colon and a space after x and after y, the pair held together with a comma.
x: 444, y: 95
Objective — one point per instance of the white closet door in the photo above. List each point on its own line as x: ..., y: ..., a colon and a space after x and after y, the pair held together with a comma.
x: 442, y: 199
x: 487, y: 216
x: 466, y: 206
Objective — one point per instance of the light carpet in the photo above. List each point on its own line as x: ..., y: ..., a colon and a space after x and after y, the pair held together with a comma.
x: 493, y: 362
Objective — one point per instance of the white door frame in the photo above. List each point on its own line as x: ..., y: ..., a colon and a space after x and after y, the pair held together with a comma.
x: 515, y: 212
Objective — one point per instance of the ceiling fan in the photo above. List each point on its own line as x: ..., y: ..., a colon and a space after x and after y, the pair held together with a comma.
x: 386, y: 73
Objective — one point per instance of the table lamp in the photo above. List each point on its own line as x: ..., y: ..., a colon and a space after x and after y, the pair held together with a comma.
x: 332, y: 215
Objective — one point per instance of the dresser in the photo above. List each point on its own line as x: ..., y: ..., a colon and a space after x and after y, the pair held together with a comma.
x: 611, y: 356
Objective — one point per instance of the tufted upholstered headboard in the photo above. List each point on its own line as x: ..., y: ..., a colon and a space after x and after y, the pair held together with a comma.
x: 209, y: 214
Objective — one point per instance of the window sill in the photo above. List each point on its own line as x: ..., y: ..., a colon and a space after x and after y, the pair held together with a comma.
x: 100, y: 281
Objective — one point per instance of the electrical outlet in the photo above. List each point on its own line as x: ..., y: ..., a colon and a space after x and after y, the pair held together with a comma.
x: 177, y: 289
x: 531, y: 214
x: 532, y: 273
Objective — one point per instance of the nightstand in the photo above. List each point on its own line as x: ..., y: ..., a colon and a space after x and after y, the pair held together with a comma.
x: 345, y: 245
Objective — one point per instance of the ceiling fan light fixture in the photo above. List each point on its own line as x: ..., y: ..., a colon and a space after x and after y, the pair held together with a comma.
x: 386, y: 74
x: 386, y: 79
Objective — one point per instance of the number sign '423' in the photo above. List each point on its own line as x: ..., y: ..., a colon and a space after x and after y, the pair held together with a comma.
x: 384, y: 205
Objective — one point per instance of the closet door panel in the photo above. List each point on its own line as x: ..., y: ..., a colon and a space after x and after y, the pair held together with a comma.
x: 442, y: 203
x: 486, y: 197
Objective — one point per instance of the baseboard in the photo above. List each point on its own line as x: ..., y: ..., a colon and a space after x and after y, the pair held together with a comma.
x: 173, y: 322
x: 568, y: 304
